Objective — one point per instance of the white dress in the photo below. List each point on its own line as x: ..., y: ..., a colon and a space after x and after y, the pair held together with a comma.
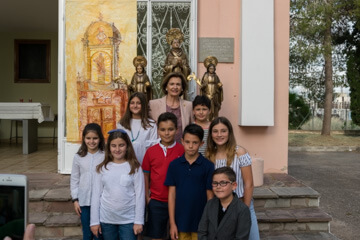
x: 141, y: 138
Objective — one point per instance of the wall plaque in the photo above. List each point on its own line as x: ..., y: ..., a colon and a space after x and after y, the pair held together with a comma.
x: 221, y: 48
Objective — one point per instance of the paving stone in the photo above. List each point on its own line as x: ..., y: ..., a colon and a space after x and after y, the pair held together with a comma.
x: 259, y: 203
x: 65, y: 219
x: 276, y: 226
x: 37, y: 194
x: 295, y: 192
x: 59, y: 194
x: 299, y: 202
x: 315, y: 226
x: 277, y: 203
x: 262, y: 217
x: 72, y: 231
x: 310, y: 215
x: 280, y: 215
x: 313, y: 202
x: 315, y: 236
x: 38, y: 206
x: 38, y: 218
x: 295, y: 226
x: 263, y: 227
x: 264, y: 193
x: 43, y: 232
x: 63, y: 207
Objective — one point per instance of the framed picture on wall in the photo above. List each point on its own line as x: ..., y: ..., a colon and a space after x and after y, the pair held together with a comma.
x: 32, y: 61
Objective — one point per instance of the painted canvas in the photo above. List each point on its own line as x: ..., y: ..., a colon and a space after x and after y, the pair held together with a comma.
x: 100, y: 47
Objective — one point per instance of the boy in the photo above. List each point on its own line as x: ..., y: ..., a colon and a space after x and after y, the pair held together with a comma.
x: 189, y: 181
x: 201, y: 111
x: 155, y: 166
x: 225, y: 216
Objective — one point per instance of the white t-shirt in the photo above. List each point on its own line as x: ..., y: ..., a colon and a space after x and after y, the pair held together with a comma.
x: 118, y: 198
x: 141, y: 138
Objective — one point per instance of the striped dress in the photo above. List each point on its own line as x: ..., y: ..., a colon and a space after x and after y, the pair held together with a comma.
x: 238, y: 162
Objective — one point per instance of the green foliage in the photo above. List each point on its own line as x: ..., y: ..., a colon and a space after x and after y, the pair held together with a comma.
x: 298, y: 111
x: 309, y: 20
x: 353, y: 75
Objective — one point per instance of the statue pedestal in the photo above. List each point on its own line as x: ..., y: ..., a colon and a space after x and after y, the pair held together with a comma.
x: 258, y: 171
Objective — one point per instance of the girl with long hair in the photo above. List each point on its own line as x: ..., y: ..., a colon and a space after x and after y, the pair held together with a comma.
x: 223, y: 151
x: 118, y: 200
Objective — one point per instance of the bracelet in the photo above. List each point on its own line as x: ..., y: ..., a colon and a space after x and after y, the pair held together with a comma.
x: 75, y: 200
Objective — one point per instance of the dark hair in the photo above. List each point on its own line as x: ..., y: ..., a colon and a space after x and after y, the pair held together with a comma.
x: 95, y: 128
x: 167, y: 116
x: 202, y: 100
x: 145, y: 122
x: 194, y: 129
x: 229, y: 145
x: 228, y: 171
x: 211, y: 65
x: 174, y: 75
x: 129, y: 155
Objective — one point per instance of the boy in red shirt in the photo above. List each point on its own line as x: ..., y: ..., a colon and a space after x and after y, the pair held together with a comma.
x: 155, y: 165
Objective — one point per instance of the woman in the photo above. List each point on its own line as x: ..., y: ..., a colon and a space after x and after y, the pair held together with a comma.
x: 223, y: 151
x: 173, y: 86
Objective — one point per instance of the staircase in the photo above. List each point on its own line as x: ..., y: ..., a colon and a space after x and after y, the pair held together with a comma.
x: 285, y: 208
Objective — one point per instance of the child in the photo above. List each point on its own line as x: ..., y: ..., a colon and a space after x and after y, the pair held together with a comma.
x: 223, y: 151
x: 90, y: 154
x: 138, y: 125
x: 189, y: 180
x: 225, y: 216
x: 118, y: 193
x: 155, y: 165
x: 201, y: 111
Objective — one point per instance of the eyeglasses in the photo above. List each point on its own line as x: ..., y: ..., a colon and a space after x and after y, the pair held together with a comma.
x: 117, y: 130
x: 221, y: 183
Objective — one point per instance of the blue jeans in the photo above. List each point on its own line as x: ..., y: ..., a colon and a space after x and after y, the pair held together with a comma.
x: 85, y: 223
x: 116, y: 231
x: 254, y: 230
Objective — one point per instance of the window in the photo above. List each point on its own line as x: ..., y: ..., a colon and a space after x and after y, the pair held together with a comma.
x: 32, y: 61
x: 151, y: 35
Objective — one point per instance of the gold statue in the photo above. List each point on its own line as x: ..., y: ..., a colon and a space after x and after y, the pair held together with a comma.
x: 140, y: 81
x: 176, y: 60
x: 212, y: 87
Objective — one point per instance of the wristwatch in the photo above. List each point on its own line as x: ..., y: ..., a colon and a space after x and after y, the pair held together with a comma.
x: 75, y: 200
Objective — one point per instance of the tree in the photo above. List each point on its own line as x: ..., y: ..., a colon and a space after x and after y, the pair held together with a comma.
x: 313, y: 24
x: 299, y: 111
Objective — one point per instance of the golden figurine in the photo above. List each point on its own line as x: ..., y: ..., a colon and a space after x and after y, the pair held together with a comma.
x: 176, y: 60
x: 212, y: 87
x: 140, y: 81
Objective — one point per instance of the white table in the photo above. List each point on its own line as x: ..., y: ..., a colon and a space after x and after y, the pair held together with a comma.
x: 31, y: 114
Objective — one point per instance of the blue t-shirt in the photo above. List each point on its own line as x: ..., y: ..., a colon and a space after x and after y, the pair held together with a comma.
x: 191, y: 182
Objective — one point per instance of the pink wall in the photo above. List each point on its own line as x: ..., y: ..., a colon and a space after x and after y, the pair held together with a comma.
x: 219, y: 18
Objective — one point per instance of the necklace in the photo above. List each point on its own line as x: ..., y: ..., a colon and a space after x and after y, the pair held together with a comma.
x: 132, y: 136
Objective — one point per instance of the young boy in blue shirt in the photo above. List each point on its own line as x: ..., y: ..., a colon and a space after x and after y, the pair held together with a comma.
x: 189, y: 179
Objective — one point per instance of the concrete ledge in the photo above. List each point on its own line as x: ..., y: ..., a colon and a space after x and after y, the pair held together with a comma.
x: 324, y: 149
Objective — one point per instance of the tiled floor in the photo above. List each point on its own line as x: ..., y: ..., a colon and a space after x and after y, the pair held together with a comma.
x: 44, y: 160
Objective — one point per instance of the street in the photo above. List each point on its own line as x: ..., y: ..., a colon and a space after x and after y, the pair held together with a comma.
x: 336, y: 176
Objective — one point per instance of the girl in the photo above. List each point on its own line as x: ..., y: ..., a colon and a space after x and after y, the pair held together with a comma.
x: 118, y: 200
x: 90, y: 154
x: 138, y: 125
x: 223, y: 151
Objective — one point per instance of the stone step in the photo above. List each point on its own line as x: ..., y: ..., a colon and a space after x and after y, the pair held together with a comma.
x: 297, y: 236
x: 285, y: 197
x: 293, y: 220
x: 56, y: 225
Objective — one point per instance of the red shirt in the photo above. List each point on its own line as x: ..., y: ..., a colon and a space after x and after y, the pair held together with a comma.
x: 156, y: 163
